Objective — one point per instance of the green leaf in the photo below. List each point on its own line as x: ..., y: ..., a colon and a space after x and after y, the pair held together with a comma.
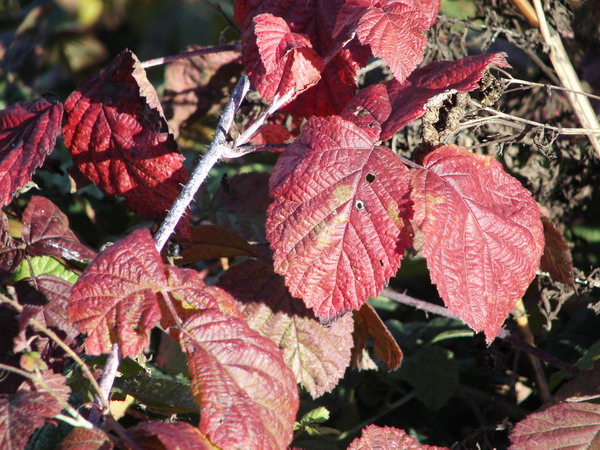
x: 44, y: 265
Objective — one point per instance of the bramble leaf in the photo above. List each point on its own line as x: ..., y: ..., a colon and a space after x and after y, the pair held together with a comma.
x: 86, y: 439
x: 115, y: 299
x: 339, y: 222
x: 284, y: 61
x: 176, y: 435
x: 119, y: 139
x: 387, y: 438
x: 573, y: 425
x: 482, y: 235
x: 317, y: 355
x: 394, y: 104
x: 247, y: 395
x: 556, y: 259
x: 11, y: 253
x: 212, y: 241
x: 46, y: 232
x: 28, y: 132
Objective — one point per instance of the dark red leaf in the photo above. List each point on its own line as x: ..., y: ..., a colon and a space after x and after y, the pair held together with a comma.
x: 86, y: 439
x: 21, y: 414
x: 211, y: 241
x: 556, y: 259
x: 316, y: 20
x: 195, y: 86
x: 54, y: 382
x: 11, y: 253
x: 115, y: 299
x: 176, y: 435
x: 46, y: 232
x: 387, y: 438
x: 395, y: 104
x: 368, y: 324
x: 284, y: 62
x: 393, y: 30
x: 317, y: 355
x: 247, y: 395
x: 482, y: 235
x: 28, y: 132
x: 339, y: 223
x: 573, y: 425
x: 119, y: 138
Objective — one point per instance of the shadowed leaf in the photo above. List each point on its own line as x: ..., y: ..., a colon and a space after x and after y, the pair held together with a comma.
x: 177, y: 435
x: 556, y: 259
x: 339, y: 222
x: 28, y: 132
x: 482, y: 235
x: 247, y: 395
x: 211, y: 242
x: 11, y: 253
x: 387, y: 438
x: 86, y: 439
x: 317, y: 355
x: 114, y: 300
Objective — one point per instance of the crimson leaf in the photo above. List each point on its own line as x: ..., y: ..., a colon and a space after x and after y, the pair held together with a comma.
x: 339, y: 222
x: 46, y: 232
x: 28, y: 132
x: 317, y: 355
x: 566, y: 425
x: 178, y: 435
x: 119, y: 138
x: 395, y: 104
x: 387, y: 438
x: 115, y: 299
x: 247, y: 395
x: 284, y: 62
x: 483, y: 237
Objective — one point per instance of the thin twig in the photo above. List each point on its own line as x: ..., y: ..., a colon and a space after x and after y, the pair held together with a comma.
x: 200, y: 173
x: 242, y: 150
x: 191, y: 53
x: 512, y: 80
x: 106, y: 381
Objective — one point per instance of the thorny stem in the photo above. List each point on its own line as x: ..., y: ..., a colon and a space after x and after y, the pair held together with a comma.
x: 503, y: 334
x: 199, y: 52
x: 215, y: 152
x: 106, y: 381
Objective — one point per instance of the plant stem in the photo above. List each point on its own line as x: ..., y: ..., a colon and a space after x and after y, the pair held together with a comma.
x: 200, y: 173
x: 191, y: 53
x: 106, y: 381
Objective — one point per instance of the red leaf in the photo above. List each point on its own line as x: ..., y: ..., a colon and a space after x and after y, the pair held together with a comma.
x: 395, y: 32
x: 316, y: 20
x: 46, y: 232
x: 284, y: 61
x: 429, y: 8
x: 317, y: 355
x: 28, y: 132
x: 194, y: 86
x: 115, y: 299
x: 556, y: 259
x: 387, y: 438
x: 247, y: 395
x: 368, y: 324
x: 177, y: 435
x: 482, y: 235
x: 567, y: 425
x: 395, y: 104
x: 86, y: 439
x: 21, y: 414
x: 339, y: 221
x: 119, y: 138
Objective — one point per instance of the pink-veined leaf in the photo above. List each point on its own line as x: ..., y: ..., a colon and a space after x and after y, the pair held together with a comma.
x: 115, y: 299
x: 317, y: 355
x: 176, y: 435
x: 86, y: 439
x: 482, y: 235
x: 393, y: 30
x: 22, y: 413
x: 247, y: 395
x: 429, y: 8
x: 28, y: 132
x: 316, y: 20
x: 573, y: 425
x: 46, y: 231
x: 387, y: 438
x: 368, y: 324
x: 339, y: 222
x: 119, y: 138
x: 395, y: 104
x: 284, y: 62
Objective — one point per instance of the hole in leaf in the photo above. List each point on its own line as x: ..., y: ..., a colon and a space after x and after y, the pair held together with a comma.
x: 381, y: 262
x: 370, y: 178
x: 360, y: 205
